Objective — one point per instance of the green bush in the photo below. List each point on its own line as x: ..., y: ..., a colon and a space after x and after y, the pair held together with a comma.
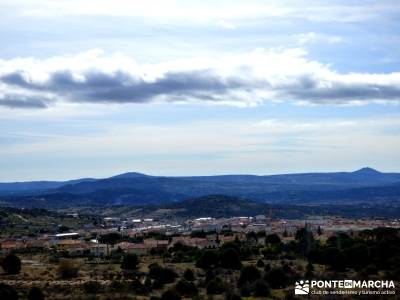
x: 67, y: 269
x: 260, y: 263
x: 7, y: 292
x: 35, y: 293
x: 215, y: 286
x: 186, y: 288
x: 118, y: 286
x: 208, y: 259
x: 261, y: 289
x: 248, y: 274
x: 11, y: 264
x: 162, y: 275
x: 277, y: 278
x: 130, y: 262
x: 92, y: 287
x: 230, y: 259
x: 170, y: 295
x: 189, y: 275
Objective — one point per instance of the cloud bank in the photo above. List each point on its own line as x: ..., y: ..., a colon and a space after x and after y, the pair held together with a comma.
x: 242, y: 80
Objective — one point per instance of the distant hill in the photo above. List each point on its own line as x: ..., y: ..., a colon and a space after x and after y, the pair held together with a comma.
x: 132, y: 188
x: 14, y: 187
x: 218, y: 206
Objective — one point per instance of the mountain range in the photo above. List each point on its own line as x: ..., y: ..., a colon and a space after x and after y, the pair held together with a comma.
x: 364, y: 185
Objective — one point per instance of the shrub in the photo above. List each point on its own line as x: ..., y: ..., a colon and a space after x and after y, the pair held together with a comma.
x: 138, y: 288
x: 272, y: 239
x: 147, y: 283
x: 92, y: 287
x: 248, y: 274
x: 230, y: 259
x: 188, y: 275
x: 170, y: 295
x: 246, y: 290
x: 130, y: 262
x: 119, y: 286
x: 186, y: 288
x: 207, y: 260
x: 110, y: 238
x: 261, y: 289
x: 260, y: 263
x: 35, y: 293
x: 277, y: 278
x: 67, y: 269
x: 162, y: 275
x: 7, y: 292
x: 215, y: 286
x: 11, y: 264
x: 232, y: 296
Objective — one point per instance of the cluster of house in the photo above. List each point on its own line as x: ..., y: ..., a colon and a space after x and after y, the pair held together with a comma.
x: 74, y: 245
x: 79, y: 243
x: 211, y: 241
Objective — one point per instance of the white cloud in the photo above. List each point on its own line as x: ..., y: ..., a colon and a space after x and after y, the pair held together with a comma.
x: 206, y: 10
x: 226, y: 24
x: 312, y: 37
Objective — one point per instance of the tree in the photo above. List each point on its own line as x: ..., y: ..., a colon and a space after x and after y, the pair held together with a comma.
x: 63, y: 229
x: 357, y: 255
x: 198, y: 234
x: 130, y: 262
x: 110, y: 238
x: 272, y: 239
x: 232, y: 296
x: 261, y: 289
x: 207, y: 260
x: 138, y: 288
x: 319, y: 230
x: 235, y: 245
x: 11, y: 264
x: 147, y: 283
x: 188, y: 275
x: 35, y: 293
x: 7, y: 292
x: 245, y: 252
x: 260, y: 263
x: 162, y: 275
x: 267, y: 268
x: 252, y: 237
x: 248, y: 274
x: 229, y: 259
x: 277, y: 278
x: 309, y: 270
x: 306, y: 241
x: 170, y: 295
x: 186, y: 288
x: 215, y: 286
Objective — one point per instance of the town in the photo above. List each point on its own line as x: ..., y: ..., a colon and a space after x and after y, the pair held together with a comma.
x: 221, y: 258
x: 137, y: 235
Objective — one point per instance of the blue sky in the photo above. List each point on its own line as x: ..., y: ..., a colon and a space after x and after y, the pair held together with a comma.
x: 96, y: 88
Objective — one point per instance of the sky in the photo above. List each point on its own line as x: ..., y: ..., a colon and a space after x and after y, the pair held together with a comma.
x: 97, y: 88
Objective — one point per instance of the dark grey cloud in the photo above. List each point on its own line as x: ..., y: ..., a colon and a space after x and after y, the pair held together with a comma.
x: 202, y: 85
x: 121, y: 87
x: 342, y: 92
x: 19, y: 101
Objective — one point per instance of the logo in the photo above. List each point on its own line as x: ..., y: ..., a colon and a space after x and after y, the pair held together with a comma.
x: 348, y: 284
x: 302, y: 287
x: 345, y: 287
